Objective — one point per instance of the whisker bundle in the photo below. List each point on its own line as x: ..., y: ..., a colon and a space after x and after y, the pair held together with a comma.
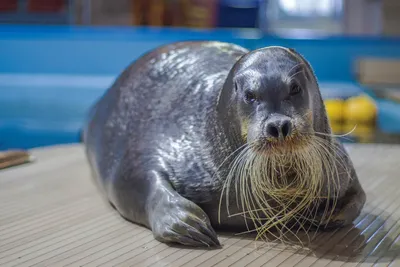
x: 285, y: 185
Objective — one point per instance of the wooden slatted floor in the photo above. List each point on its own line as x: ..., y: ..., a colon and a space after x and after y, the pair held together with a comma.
x: 52, y: 215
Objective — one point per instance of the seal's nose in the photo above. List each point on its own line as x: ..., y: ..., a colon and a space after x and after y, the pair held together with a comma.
x: 279, y: 127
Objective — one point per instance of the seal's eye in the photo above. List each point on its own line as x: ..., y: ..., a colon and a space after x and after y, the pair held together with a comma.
x: 295, y: 89
x: 249, y: 97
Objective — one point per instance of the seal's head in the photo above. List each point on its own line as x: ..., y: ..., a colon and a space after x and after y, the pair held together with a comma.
x: 287, y: 166
x: 275, y: 90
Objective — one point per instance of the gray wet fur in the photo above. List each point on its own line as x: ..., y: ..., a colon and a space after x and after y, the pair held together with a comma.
x: 157, y: 137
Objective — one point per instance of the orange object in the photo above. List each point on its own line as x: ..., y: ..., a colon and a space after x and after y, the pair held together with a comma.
x: 199, y: 13
x: 148, y: 12
x: 179, y: 13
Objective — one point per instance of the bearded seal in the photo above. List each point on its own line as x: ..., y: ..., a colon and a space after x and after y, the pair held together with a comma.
x: 194, y: 137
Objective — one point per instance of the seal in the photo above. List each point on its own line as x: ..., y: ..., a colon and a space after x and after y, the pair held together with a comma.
x: 196, y: 137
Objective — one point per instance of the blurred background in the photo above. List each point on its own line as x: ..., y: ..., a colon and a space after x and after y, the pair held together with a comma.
x: 58, y: 56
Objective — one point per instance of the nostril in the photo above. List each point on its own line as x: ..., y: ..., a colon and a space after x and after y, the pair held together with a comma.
x: 286, y: 128
x: 272, y: 130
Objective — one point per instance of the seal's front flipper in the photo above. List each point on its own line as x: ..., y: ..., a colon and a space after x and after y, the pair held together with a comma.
x: 174, y: 219
x: 147, y: 198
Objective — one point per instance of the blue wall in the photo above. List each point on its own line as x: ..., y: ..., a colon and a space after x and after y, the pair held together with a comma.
x: 107, y: 50
x: 49, y: 76
x: 89, y: 51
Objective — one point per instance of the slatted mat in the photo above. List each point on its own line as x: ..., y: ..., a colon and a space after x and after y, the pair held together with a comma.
x: 52, y: 215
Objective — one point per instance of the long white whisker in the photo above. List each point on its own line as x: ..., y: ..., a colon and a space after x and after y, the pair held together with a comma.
x: 338, y: 135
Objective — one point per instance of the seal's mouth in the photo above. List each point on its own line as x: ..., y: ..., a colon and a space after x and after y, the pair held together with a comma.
x: 292, y: 143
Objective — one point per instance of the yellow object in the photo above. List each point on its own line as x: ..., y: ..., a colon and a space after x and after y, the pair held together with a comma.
x: 360, y: 109
x: 364, y: 132
x: 334, y: 109
x: 337, y: 127
x: 357, y: 109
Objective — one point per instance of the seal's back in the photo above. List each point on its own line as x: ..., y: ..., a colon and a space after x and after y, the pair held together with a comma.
x: 164, y: 95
